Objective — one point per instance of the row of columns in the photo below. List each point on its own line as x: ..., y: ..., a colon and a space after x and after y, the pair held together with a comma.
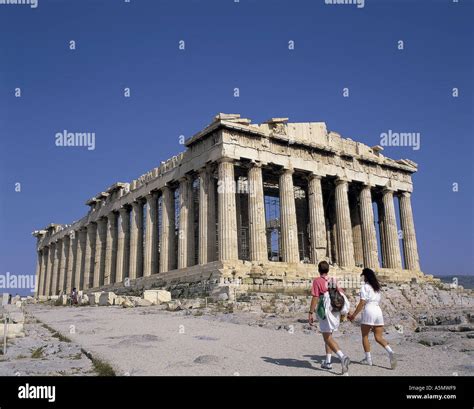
x: 113, y: 247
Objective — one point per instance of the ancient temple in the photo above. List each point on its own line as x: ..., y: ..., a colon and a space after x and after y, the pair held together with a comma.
x: 256, y: 205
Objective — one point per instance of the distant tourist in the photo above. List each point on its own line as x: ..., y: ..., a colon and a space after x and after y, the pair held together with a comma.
x: 74, y: 296
x: 372, y: 317
x: 9, y: 299
x: 331, y: 303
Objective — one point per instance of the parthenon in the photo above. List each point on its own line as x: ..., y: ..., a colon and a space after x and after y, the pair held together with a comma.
x: 258, y: 203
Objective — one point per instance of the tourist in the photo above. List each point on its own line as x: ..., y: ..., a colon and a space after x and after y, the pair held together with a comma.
x: 372, y: 317
x: 74, y: 296
x: 329, y: 318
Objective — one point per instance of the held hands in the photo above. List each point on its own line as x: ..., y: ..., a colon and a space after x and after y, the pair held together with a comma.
x: 350, y: 317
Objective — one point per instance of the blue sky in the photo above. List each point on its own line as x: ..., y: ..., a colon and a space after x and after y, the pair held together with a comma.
x: 229, y: 45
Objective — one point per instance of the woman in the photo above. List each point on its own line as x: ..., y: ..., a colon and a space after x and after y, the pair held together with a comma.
x: 372, y: 317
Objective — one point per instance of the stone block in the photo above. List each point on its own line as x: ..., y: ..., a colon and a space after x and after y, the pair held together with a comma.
x: 157, y: 296
x: 84, y: 300
x: 142, y: 303
x: 13, y: 331
x: 174, y: 305
x: 17, y: 317
x: 94, y: 298
x: 107, y: 298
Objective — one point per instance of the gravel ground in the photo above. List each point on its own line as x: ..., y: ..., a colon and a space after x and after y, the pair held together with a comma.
x: 42, y: 352
x: 152, y: 341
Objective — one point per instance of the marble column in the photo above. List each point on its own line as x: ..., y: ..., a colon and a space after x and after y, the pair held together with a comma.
x: 44, y: 270
x: 369, y: 236
x: 207, y: 217
x: 151, y: 235
x: 50, y: 270
x: 38, y: 271
x: 100, y: 247
x: 345, y: 245
x: 64, y: 263
x: 394, y: 259
x: 168, y: 233
x: 356, y: 232
x: 57, y: 261
x: 227, y: 214
x: 89, y: 258
x: 186, y: 223
x: 317, y: 222
x: 289, y: 231
x: 123, y: 245
x: 79, y: 265
x: 70, y: 262
x: 111, y: 249
x: 410, y: 248
x: 256, y: 212
x: 136, y: 240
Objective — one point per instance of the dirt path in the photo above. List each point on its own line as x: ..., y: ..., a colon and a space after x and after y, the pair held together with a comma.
x: 150, y: 341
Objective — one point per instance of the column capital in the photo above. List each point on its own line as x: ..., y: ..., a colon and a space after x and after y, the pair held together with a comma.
x: 123, y: 210
x: 151, y: 196
x: 101, y: 220
x: 185, y: 178
x: 136, y: 203
x: 287, y: 171
x: 166, y: 188
x: 225, y: 159
x: 388, y: 189
x: 405, y: 194
x: 314, y: 175
x: 206, y: 168
x: 341, y: 180
x: 257, y: 164
x: 112, y: 215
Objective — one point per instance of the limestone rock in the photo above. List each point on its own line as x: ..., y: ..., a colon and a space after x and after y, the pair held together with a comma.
x: 13, y: 331
x: 142, y: 303
x: 107, y: 298
x: 157, y: 296
x: 221, y: 293
x: 94, y: 298
x: 174, y: 305
x: 127, y: 303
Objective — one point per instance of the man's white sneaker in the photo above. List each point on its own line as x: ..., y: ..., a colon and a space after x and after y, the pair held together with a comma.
x: 366, y: 361
x: 345, y: 361
x: 393, y: 360
x: 326, y: 365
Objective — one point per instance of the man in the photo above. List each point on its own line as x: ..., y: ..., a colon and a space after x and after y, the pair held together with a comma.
x: 330, y: 323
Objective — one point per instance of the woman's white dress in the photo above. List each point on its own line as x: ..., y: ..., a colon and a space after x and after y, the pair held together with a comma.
x: 372, y: 313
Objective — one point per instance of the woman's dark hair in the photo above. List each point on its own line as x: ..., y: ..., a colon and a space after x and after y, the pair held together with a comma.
x: 369, y: 277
